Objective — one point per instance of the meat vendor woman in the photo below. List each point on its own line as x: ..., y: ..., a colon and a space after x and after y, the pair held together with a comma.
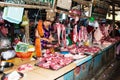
x: 43, y: 36
x: 47, y: 37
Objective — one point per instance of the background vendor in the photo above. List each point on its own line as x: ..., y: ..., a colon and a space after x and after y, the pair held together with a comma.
x: 3, y: 31
x: 4, y: 39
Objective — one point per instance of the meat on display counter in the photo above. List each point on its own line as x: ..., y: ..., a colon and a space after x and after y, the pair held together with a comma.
x: 82, y: 69
x: 88, y: 67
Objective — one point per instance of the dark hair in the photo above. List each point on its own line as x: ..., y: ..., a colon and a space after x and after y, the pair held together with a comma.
x: 1, y: 24
x: 48, y: 20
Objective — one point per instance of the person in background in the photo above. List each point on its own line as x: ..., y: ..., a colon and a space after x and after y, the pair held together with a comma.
x: 3, y: 32
x: 4, y: 39
x: 118, y: 46
x: 117, y: 30
x: 118, y: 52
x: 21, y: 33
x: 32, y: 27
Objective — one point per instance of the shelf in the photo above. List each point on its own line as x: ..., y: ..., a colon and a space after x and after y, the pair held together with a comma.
x: 3, y: 4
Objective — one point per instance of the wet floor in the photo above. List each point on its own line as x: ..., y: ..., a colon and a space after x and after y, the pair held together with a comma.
x: 116, y: 74
x: 110, y: 72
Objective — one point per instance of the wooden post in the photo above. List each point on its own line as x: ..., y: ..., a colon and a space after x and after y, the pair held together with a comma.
x: 54, y: 4
x: 3, y: 4
x: 27, y: 29
x: 113, y: 21
x: 51, y: 12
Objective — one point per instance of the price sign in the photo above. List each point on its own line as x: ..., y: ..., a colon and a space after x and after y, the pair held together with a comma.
x: 21, y: 47
x: 100, y: 9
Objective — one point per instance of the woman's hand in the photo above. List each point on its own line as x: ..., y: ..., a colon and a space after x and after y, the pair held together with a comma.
x: 51, y: 38
x: 37, y: 34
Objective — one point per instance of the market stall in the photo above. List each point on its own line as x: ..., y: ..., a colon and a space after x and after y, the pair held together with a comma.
x: 80, y: 45
x: 80, y: 69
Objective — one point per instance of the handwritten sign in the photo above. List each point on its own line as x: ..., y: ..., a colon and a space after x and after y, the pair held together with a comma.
x: 21, y: 47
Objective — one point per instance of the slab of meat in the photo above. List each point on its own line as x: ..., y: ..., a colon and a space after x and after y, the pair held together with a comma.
x: 75, y: 35
x: 58, y: 25
x: 98, y: 34
x: 61, y: 29
x: 83, y: 34
x: 64, y: 35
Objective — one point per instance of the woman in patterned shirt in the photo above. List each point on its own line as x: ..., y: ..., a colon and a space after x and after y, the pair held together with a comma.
x: 47, y: 36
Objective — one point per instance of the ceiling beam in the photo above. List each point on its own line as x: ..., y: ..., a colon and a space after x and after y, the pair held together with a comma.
x: 3, y: 4
x: 115, y: 10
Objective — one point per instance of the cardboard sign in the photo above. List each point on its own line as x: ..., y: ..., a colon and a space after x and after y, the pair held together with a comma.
x: 65, y: 4
x: 21, y: 47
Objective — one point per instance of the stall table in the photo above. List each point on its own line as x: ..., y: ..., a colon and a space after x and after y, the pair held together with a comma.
x: 82, y: 69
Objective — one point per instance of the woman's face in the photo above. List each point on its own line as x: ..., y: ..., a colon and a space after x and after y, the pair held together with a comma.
x: 4, y: 31
x: 47, y: 23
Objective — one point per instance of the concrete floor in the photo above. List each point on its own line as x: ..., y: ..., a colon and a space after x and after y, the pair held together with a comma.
x: 110, y: 72
x: 116, y: 73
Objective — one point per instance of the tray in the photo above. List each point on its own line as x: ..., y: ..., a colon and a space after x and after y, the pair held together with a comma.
x: 4, y: 77
x: 50, y: 68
